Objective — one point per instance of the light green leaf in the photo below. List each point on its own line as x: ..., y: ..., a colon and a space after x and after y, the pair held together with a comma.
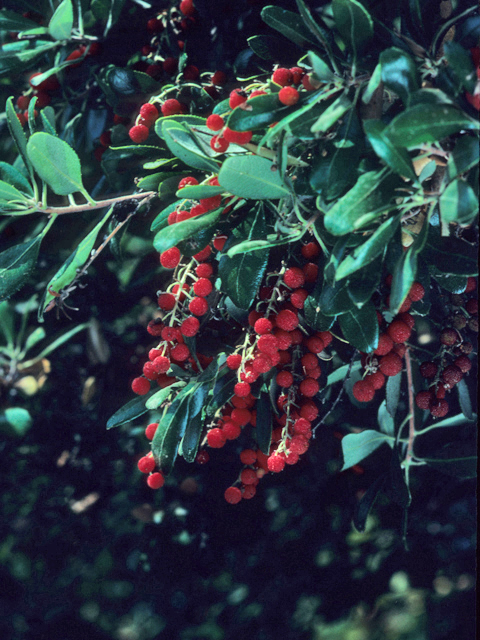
x: 332, y: 114
x: 320, y: 68
x: 357, y: 446
x: 394, y: 157
x: 171, y: 235
x: 251, y: 177
x: 385, y: 421
x: 10, y: 174
x: 17, y: 132
x: 161, y: 395
x: 56, y: 163
x: 458, y: 203
x: 61, y: 23
x: 8, y: 193
x: 199, y: 191
x: 17, y: 419
x: 184, y: 146
x: 130, y: 410
x: 399, y: 72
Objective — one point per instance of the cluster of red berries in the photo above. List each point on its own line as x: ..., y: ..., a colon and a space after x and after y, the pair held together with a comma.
x: 146, y: 464
x: 452, y: 362
x: 387, y: 359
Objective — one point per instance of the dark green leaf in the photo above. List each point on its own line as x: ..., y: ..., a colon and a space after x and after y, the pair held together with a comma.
x: 222, y: 393
x: 463, y: 157
x: 369, y: 250
x: 261, y: 112
x: 288, y: 24
x: 267, y: 47
x: 335, y: 300
x: 19, y: 56
x: 171, y: 235
x: 366, y: 503
x: 398, y: 491
x: 320, y: 32
x: 461, y: 63
x: 353, y: 22
x: 362, y: 284
x: 56, y: 163
x: 427, y: 123
x: 61, y: 23
x: 357, y: 446
x: 403, y: 277
x: 264, y: 422
x: 454, y: 284
x: 399, y: 72
x: 161, y: 220
x: 456, y: 459
x: 15, y: 178
x: 394, y: 157
x: 12, y: 21
x: 314, y: 317
x: 155, y: 180
x: 170, y: 432
x: 242, y: 275
x: 191, y: 439
x: 458, y: 203
x: 130, y: 411
x: 186, y: 120
x: 394, y: 384
x: 160, y: 396
x: 184, y: 146
x: 249, y: 176
x: 450, y: 255
x: 17, y: 132
x: 16, y: 264
x: 464, y: 399
x: 360, y: 328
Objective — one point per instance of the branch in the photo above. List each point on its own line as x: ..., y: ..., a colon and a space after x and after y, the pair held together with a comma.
x: 100, y: 204
x: 411, y: 407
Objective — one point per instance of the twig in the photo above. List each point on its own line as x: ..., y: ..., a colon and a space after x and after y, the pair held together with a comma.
x: 411, y: 407
x: 98, y: 205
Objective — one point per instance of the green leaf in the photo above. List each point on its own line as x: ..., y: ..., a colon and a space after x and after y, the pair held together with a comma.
x: 321, y: 33
x: 357, y: 446
x: 48, y: 118
x: 366, y: 503
x: 252, y: 177
x: 16, y: 263
x: 57, y: 342
x: 7, y: 323
x: 22, y: 55
x: 161, y: 220
x: 359, y: 206
x: 289, y: 24
x: 363, y: 284
x: 403, y: 277
x: 34, y: 338
x: 399, y: 72
x: 199, y: 191
x: 385, y: 420
x: 169, y: 434
x: 427, y: 123
x: 335, y: 300
x: 262, y: 111
x: 461, y: 63
x: 369, y: 250
x: 332, y: 114
x: 130, y: 411
x: 161, y: 395
x: 266, y: 47
x: 394, y: 157
x: 191, y: 440
x: 242, y: 274
x: 185, y: 120
x: 68, y: 271
x: 17, y: 419
x: 360, y: 328
x: 61, y: 23
x: 373, y: 84
x: 314, y: 317
x: 184, y: 146
x: 56, y: 163
x: 15, y: 178
x: 341, y: 373
x: 171, y: 235
x: 454, y: 284
x: 455, y: 459
x: 353, y: 22
x: 264, y: 422
x: 12, y: 21
x: 458, y: 203
x: 17, y: 132
x: 450, y: 255
x: 320, y: 68
x: 9, y: 194
x: 305, y: 118
x: 394, y: 384
x: 463, y: 157
x: 464, y: 399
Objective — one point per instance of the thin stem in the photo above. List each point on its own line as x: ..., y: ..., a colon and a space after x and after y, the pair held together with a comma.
x: 411, y: 408
x: 97, y: 205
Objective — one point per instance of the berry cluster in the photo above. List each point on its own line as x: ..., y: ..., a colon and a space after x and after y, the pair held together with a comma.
x: 386, y: 360
x: 452, y: 362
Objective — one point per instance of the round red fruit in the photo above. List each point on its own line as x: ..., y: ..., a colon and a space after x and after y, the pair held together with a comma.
x: 439, y: 408
x: 391, y: 364
x: 242, y: 389
x: 215, y: 122
x: 428, y: 370
x: 233, y: 495
x: 363, y: 391
x: 275, y: 463
x: 219, y: 144
x: 139, y: 133
x: 216, y: 438
x: 309, y: 387
x: 156, y: 480
x: 171, y: 107
x: 423, y: 399
x: 198, y: 306
x: 294, y: 278
x: 151, y: 430
x: 284, y: 379
x: 237, y: 97
x: 146, y: 464
x: 190, y: 327
x: 140, y: 386
x: 449, y: 337
x: 288, y: 96
x: 170, y: 258
x: 417, y: 291
x: 399, y: 331
x: 287, y: 320
x: 282, y: 76
x: 451, y: 375
x: 463, y: 363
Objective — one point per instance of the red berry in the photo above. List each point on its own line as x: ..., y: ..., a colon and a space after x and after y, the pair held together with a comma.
x: 187, y: 181
x: 191, y: 73
x: 298, y: 297
x: 449, y: 337
x: 242, y: 389
x: 140, y: 386
x: 171, y: 334
x: 286, y: 320
x: 307, y: 85
x: 198, y: 306
x: 472, y: 306
x: 204, y: 270
x: 417, y: 291
x: 151, y: 430
x: 216, y: 438
x: 186, y: 7
x: 232, y: 430
x: 237, y: 97
x: 237, y: 137
x: 219, y: 144
x: 423, y: 399
x: 241, y: 416
x: 139, y: 133
x: 170, y: 258
x: 171, y: 107
x: 451, y: 375
x: 288, y: 96
x: 248, y: 491
x: 310, y: 271
x: 204, y: 254
x: 219, y: 78
x: 391, y: 364
x: 154, y: 25
x: 162, y: 364
x: 439, y: 408
x: 203, y: 287
x: 363, y: 391
x: 377, y: 379
x: 190, y: 327
x: 407, y: 318
x: 22, y: 102
x: 180, y: 352
x: 219, y: 242
x: 385, y: 345
x: 428, y: 370
x: 149, y: 112
x: 262, y: 326
x: 49, y: 84
x: 149, y: 371
x: 248, y: 476
x: 234, y: 361
x: 275, y: 463
x: 268, y: 344
x: 170, y: 66
x: 297, y: 74
x: 284, y: 379
x: 202, y: 457
x: 146, y: 464
x: 309, y: 387
x: 299, y: 445
x: 308, y: 410
x: 262, y: 363
x: 310, y: 250
x: 233, y: 495
x: 326, y: 336
x: 294, y: 277
x: 282, y: 76
x: 315, y: 344
x: 471, y: 285
x: 399, y: 331
x: 166, y: 301
x: 156, y: 480
x: 463, y: 363
x: 248, y: 456
x: 400, y: 349
x: 215, y: 122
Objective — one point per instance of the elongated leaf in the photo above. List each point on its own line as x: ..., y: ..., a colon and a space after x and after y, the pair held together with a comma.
x: 366, y: 503
x: 242, y: 274
x: 385, y: 421
x: 373, y: 84
x: 12, y: 21
x: 320, y: 68
x: 161, y: 395
x: 266, y: 47
x: 341, y: 373
x: 196, y: 192
x: 353, y: 22
x: 456, y: 459
x: 363, y: 283
x: 464, y: 399
x: 184, y: 146
x: 461, y: 63
x: 358, y: 206
x: 171, y: 235
x: 393, y: 387
x: 288, y: 24
x: 463, y: 157
x: 403, y: 278
x: 264, y: 423
x: 360, y: 328
x: 56, y: 163
x: 394, y: 157
x: 24, y: 54
x: 251, y: 177
x: 64, y: 337
x: 191, y: 440
x: 16, y: 263
x: 61, y: 23
x: 399, y: 72
x: 450, y: 256
x: 17, y: 132
x: 357, y: 446
x: 314, y: 316
x: 13, y: 177
x: 427, y: 123
x: 332, y: 114
x: 261, y: 112
x: 335, y: 300
x: 8, y: 193
x: 458, y: 203
x: 130, y: 411
x: 369, y: 250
